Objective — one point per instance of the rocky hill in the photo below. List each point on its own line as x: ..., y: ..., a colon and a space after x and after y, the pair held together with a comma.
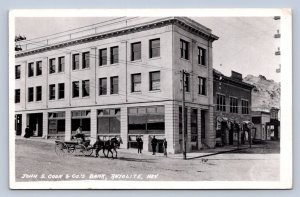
x: 266, y: 93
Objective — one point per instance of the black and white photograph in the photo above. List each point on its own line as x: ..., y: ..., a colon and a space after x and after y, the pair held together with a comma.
x: 150, y: 99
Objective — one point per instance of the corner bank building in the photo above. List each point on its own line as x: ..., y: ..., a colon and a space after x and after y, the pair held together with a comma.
x: 119, y: 79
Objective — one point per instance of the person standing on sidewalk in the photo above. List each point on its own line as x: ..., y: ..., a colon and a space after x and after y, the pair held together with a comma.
x: 165, y: 144
x: 139, y: 144
x: 154, y: 144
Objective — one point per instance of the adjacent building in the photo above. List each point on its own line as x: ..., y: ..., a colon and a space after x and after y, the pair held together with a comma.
x: 232, y: 106
x: 121, y: 79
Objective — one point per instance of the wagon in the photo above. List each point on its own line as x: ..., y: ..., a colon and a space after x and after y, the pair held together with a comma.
x: 63, y: 148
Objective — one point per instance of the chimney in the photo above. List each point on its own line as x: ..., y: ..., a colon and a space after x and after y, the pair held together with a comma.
x: 236, y: 75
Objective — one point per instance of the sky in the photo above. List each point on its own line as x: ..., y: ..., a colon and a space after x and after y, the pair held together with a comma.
x: 246, y: 44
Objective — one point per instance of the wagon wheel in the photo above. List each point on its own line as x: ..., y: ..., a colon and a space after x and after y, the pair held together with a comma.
x: 60, y: 149
x: 70, y: 149
x: 87, y: 151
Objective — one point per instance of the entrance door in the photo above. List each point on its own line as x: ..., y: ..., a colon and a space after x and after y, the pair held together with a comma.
x: 18, y: 124
x: 35, y: 122
x: 231, y: 136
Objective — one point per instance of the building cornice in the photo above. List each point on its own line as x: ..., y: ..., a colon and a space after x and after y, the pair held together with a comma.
x: 179, y: 21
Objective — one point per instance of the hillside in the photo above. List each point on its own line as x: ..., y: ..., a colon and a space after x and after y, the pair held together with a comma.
x: 266, y: 93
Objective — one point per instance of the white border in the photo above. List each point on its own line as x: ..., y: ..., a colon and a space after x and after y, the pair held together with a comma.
x: 286, y: 99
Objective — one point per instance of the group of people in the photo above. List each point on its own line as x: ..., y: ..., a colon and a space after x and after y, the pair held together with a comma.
x: 154, y: 143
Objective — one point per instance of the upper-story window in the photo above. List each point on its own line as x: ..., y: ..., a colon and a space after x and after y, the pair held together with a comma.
x: 187, y: 82
x: 75, y: 61
x: 30, y: 94
x: 245, y: 107
x: 38, y: 92
x: 61, y: 64
x: 102, y: 57
x: 52, y: 92
x: 201, y: 56
x: 75, y: 89
x: 85, y: 88
x: 184, y: 49
x: 18, y: 71
x: 136, y: 82
x: 136, y: 51
x: 52, y: 66
x: 39, y: 68
x: 233, y: 105
x: 202, y: 86
x: 114, y: 55
x: 102, y: 86
x: 30, y: 69
x: 61, y: 90
x: 85, y: 60
x: 221, y: 102
x: 114, y: 85
x: 154, y: 80
x: 17, y: 95
x: 154, y: 48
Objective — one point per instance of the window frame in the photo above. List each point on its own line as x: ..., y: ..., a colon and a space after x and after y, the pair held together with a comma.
x: 38, y: 67
x: 73, y: 89
x: 134, y: 52
x: 61, y: 64
x: 245, y: 108
x: 184, y: 53
x: 114, y: 60
x: 233, y: 105
x: 202, y: 86
x: 221, y: 106
x: 201, y: 56
x: 102, y: 59
x: 52, y: 92
x: 17, y: 71
x: 112, y: 85
x: 101, y: 90
x: 38, y: 93
x: 61, y: 91
x: 151, y: 48
x: 83, y: 84
x: 31, y: 69
x: 17, y: 96
x: 30, y: 94
x: 75, y: 64
x: 151, y: 81
x: 133, y: 82
x: 86, y: 60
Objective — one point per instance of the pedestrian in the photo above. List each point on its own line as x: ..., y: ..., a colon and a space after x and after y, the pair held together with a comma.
x: 27, y: 132
x: 154, y: 144
x: 139, y: 141
x: 98, y: 145
x: 165, y: 144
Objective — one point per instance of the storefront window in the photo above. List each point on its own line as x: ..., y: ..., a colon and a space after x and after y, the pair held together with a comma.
x: 57, y: 123
x: 146, y: 120
x: 109, y: 121
x: 81, y: 118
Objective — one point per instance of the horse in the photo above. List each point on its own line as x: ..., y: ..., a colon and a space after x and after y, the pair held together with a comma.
x: 109, y: 146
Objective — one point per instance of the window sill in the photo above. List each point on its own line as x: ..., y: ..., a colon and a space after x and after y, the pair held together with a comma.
x: 187, y: 60
x: 154, y: 58
x: 133, y: 61
x: 139, y: 92
x: 202, y: 65
x: 108, y: 65
x: 154, y: 91
x: 51, y: 100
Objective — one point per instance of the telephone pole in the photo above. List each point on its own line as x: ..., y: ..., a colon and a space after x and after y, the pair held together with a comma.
x: 183, y: 115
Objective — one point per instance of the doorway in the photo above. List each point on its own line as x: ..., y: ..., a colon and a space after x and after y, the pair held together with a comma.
x: 18, y: 124
x: 35, y: 123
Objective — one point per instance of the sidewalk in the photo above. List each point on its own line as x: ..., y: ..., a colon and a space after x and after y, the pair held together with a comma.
x: 192, y: 155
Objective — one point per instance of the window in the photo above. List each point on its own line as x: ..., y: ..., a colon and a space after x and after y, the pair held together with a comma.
x: 52, y: 66
x: 18, y: 72
x: 146, y: 120
x: 233, y: 105
x: 38, y: 90
x: 85, y: 88
x: 180, y: 120
x: 102, y: 86
x: 136, y: 82
x: 83, y: 119
x: 39, y: 68
x: 61, y: 64
x: 102, y: 57
x: 202, y: 86
x: 75, y: 89
x: 201, y: 56
x: 184, y: 49
x: 85, y: 60
x: 30, y: 69
x: 52, y: 92
x: 245, y: 107
x: 75, y: 61
x: 221, y: 103
x: 114, y: 85
x: 187, y: 82
x: 56, y: 123
x: 30, y: 94
x: 194, y: 125
x: 61, y: 90
x: 154, y: 48
x: 109, y: 121
x: 114, y: 55
x: 17, y: 95
x: 136, y: 51
x: 154, y: 80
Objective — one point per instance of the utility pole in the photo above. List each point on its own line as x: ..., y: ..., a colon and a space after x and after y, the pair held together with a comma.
x: 183, y: 115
